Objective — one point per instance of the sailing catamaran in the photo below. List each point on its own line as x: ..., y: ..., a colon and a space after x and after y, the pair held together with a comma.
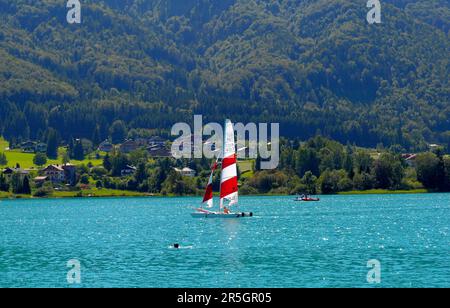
x: 228, y: 182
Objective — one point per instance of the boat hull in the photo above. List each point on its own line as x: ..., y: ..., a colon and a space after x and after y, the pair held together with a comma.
x: 221, y: 215
x: 307, y: 200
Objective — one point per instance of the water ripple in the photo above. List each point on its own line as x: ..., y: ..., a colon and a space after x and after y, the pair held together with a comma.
x: 287, y: 244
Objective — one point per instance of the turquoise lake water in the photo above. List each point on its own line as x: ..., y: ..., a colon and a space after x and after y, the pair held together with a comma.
x: 126, y: 242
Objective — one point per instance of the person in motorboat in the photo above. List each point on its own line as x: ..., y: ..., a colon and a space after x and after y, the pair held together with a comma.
x: 303, y: 197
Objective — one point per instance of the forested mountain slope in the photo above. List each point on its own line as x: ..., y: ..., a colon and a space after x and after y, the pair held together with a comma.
x: 310, y: 65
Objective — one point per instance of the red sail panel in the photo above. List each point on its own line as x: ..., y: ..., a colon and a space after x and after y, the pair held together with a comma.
x: 209, y: 188
x: 229, y: 180
x: 208, y: 193
x: 229, y: 161
x: 229, y: 187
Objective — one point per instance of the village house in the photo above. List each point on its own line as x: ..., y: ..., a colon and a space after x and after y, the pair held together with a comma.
x: 55, y: 173
x: 157, y: 142
x: 128, y: 170
x: 187, y: 172
x: 8, y: 172
x: 33, y: 147
x: 129, y: 146
x: 28, y: 147
x: 158, y: 152
x: 141, y: 142
x: 410, y: 159
x: 434, y: 147
x: 106, y: 146
x: 40, y: 180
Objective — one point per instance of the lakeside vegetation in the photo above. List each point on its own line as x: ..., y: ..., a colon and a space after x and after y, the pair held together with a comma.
x: 317, y: 166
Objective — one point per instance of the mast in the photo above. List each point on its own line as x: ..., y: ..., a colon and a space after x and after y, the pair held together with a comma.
x: 229, y: 180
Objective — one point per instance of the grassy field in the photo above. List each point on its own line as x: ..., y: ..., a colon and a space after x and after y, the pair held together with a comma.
x: 4, y: 194
x: 25, y: 160
x: 246, y: 168
x: 94, y: 192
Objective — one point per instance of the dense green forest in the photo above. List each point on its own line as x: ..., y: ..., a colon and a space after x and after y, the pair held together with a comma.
x: 310, y: 65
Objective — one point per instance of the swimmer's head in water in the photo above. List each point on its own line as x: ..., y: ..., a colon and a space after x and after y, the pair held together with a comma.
x: 176, y: 246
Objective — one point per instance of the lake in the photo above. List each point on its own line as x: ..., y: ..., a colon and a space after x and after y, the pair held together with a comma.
x: 126, y: 242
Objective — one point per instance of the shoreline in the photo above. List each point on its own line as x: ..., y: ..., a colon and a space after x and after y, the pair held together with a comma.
x: 384, y: 192
x: 128, y: 194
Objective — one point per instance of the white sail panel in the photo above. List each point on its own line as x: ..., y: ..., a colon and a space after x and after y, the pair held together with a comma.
x: 229, y: 181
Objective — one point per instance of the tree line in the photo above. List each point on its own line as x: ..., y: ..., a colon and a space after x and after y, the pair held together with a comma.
x: 324, y: 166
x: 317, y: 166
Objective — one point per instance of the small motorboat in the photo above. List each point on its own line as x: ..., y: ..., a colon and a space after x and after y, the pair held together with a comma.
x: 307, y: 199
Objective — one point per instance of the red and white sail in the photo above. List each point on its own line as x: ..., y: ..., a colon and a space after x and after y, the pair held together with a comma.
x: 229, y: 179
x: 208, y: 198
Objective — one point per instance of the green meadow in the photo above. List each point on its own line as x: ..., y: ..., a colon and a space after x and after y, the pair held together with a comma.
x: 25, y: 160
x: 91, y: 193
x: 246, y: 168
